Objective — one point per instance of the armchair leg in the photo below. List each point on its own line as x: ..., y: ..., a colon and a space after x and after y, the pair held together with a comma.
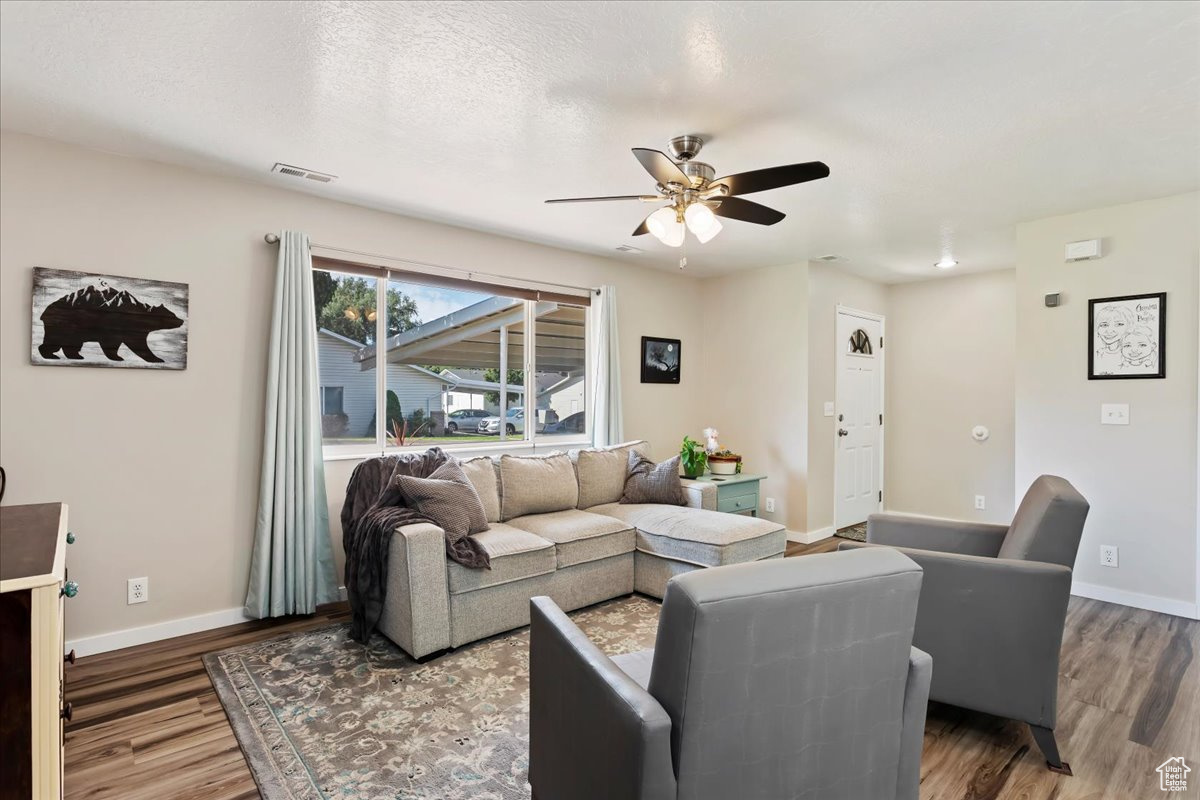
x: 1045, y: 740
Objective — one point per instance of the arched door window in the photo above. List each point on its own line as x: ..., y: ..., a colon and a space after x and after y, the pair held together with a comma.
x: 860, y: 343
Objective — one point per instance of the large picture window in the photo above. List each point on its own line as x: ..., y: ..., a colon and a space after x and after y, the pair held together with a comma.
x: 447, y: 364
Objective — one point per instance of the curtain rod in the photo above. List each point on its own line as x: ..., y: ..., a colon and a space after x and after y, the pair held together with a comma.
x: 273, y: 238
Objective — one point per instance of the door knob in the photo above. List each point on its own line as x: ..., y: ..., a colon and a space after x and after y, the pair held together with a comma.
x: 70, y: 589
x: 843, y: 432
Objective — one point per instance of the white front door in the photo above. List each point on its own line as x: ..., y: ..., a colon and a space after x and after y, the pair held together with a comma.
x: 858, y: 417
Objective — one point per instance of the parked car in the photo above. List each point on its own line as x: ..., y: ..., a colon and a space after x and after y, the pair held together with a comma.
x: 575, y: 423
x: 514, y: 423
x: 465, y: 419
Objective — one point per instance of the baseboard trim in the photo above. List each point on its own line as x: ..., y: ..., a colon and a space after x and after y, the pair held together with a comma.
x: 145, y: 634
x: 1149, y: 602
x: 810, y: 536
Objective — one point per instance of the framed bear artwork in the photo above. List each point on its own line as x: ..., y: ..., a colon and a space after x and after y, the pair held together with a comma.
x: 1127, y: 337
x: 84, y: 319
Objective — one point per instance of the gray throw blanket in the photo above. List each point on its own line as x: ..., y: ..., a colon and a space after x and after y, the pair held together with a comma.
x: 373, y: 509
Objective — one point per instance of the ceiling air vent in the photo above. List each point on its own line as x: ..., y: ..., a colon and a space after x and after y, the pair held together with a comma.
x: 301, y: 172
x: 830, y: 257
x: 628, y: 248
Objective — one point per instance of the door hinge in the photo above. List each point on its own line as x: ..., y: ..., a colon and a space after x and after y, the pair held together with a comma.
x: 880, y: 342
x: 881, y: 495
x: 881, y: 419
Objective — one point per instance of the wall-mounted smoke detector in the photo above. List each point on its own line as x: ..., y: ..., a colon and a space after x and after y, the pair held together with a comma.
x: 628, y: 248
x: 301, y: 172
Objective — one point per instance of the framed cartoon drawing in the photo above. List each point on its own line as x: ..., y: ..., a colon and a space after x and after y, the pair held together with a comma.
x: 1127, y: 337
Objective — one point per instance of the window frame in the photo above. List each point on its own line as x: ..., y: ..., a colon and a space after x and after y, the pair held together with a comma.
x: 528, y: 440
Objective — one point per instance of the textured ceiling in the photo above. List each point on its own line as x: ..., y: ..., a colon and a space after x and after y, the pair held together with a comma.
x: 944, y: 124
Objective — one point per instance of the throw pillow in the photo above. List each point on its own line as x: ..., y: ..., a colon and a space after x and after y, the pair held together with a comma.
x: 481, y: 472
x: 446, y: 497
x: 653, y: 483
x: 536, y: 485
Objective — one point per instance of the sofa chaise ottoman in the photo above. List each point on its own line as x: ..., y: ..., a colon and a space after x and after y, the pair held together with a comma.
x: 557, y: 528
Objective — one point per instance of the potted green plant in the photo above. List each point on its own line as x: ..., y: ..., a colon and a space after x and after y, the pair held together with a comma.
x: 725, y: 462
x: 692, y: 457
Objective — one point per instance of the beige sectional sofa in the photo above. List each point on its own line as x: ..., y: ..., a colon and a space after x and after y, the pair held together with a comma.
x: 557, y: 528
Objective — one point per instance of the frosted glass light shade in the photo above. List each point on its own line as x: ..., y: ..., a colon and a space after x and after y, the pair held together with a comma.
x: 666, y: 227
x: 702, y: 221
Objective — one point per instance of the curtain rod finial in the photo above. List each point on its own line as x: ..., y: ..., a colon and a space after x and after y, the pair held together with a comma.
x: 271, y: 238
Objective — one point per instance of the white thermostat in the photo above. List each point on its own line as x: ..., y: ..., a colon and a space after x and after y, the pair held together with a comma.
x: 1083, y: 251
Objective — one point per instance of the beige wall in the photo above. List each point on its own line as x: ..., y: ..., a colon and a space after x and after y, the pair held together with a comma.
x: 1140, y: 479
x: 950, y: 350
x: 161, y: 469
x: 830, y: 286
x: 756, y: 378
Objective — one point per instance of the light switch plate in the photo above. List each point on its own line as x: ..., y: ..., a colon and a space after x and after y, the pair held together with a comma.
x: 1114, y: 413
x: 829, y: 409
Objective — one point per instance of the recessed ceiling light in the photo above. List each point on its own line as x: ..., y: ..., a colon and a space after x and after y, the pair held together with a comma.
x: 946, y: 263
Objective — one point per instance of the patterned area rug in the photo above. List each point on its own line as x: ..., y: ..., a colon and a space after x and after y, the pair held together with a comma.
x: 320, y: 716
x: 856, y: 533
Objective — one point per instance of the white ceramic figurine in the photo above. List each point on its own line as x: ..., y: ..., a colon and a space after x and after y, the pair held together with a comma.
x: 710, y: 436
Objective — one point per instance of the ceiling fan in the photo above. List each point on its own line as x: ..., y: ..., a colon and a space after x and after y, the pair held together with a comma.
x: 696, y: 199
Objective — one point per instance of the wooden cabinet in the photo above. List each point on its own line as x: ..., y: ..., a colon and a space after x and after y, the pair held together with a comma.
x: 33, y: 586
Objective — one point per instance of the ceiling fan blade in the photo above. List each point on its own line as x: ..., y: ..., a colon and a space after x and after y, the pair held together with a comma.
x: 598, y: 199
x: 641, y: 228
x: 661, y: 167
x: 760, y: 180
x: 747, y: 211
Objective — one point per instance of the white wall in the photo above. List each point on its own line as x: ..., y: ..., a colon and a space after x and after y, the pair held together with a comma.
x: 755, y: 389
x: 950, y: 351
x: 1140, y: 479
x: 830, y: 286
x: 161, y: 469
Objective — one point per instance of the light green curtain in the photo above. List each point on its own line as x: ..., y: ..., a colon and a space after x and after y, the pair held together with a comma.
x: 291, y: 570
x: 607, y: 422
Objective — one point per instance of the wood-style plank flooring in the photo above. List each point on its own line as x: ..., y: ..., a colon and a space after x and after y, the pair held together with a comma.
x: 147, y: 723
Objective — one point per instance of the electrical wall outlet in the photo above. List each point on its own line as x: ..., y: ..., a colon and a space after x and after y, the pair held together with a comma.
x: 1109, y: 556
x: 980, y: 502
x: 137, y: 590
x: 829, y: 408
x: 770, y: 505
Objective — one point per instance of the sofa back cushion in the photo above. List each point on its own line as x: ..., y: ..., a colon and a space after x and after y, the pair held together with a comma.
x: 536, y: 485
x: 602, y: 472
x: 481, y: 472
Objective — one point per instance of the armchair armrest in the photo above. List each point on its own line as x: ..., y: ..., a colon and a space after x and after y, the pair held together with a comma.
x: 594, y: 734
x: 994, y: 627
x: 700, y: 494
x: 931, y: 533
x: 416, y: 609
x: 912, y: 731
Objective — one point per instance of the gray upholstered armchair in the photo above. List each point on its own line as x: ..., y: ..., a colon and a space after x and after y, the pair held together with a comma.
x: 785, y: 678
x: 994, y: 602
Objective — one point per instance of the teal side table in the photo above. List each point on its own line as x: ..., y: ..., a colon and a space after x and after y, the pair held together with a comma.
x: 736, y: 494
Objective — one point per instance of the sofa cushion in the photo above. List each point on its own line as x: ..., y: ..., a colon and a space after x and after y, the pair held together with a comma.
x: 602, y: 472
x: 579, y: 536
x: 653, y: 483
x: 705, y: 538
x: 536, y: 485
x: 481, y: 472
x: 515, y: 554
x: 447, y: 498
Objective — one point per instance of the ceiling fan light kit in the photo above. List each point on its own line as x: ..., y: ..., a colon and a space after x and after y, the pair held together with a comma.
x: 696, y: 199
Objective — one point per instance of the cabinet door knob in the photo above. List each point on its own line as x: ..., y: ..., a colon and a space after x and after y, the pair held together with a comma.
x: 70, y: 657
x: 70, y: 538
x: 70, y: 589
x: 66, y: 712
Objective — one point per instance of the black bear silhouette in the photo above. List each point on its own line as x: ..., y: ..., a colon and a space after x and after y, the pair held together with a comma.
x: 108, y: 316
